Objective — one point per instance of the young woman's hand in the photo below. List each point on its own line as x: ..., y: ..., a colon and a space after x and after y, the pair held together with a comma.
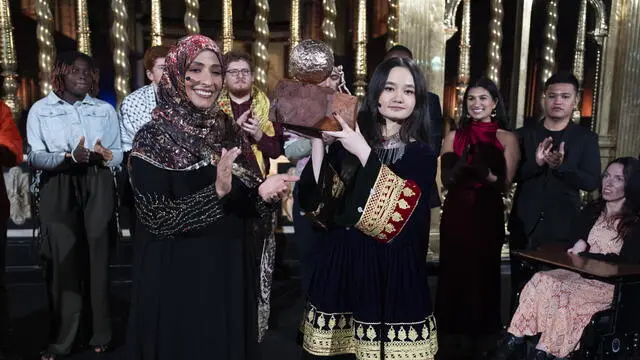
x: 351, y: 140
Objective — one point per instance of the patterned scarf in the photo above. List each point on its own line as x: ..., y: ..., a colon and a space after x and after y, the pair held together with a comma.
x: 260, y: 108
x: 181, y: 136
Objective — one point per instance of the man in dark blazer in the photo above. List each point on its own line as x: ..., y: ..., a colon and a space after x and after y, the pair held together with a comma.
x: 559, y: 158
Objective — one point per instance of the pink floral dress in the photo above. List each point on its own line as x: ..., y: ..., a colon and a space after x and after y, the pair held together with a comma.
x: 560, y: 303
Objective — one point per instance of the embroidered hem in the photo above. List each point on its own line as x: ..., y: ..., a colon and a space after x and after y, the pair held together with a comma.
x: 330, y: 334
x: 389, y: 206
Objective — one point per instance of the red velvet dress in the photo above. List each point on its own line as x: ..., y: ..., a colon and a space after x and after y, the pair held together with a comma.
x: 471, y: 237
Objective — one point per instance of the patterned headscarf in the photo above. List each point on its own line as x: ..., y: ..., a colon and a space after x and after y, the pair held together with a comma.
x: 181, y: 136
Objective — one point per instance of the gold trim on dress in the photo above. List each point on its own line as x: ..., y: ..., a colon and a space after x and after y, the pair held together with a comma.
x: 326, y: 334
x: 389, y: 206
x: 330, y: 334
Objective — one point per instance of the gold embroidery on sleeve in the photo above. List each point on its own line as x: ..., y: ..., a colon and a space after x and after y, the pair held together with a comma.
x: 389, y: 206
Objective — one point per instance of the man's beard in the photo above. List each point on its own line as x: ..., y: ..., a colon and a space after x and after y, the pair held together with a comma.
x: 240, y: 92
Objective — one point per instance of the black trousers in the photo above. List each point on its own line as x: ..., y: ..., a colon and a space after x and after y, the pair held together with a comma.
x: 76, y: 208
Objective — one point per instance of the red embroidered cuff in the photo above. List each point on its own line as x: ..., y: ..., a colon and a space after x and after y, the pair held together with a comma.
x: 389, y: 206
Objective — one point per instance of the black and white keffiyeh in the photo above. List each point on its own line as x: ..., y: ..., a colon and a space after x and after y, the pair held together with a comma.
x: 134, y: 112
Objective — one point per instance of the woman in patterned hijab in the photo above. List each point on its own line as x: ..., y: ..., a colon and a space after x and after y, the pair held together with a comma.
x: 181, y: 135
x: 194, y: 293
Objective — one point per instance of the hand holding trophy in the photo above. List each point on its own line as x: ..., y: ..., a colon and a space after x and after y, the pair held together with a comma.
x: 303, y: 106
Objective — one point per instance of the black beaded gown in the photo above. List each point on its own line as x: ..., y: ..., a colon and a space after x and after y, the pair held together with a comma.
x: 195, y: 271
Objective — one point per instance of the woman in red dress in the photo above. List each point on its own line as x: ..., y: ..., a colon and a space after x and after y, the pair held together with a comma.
x: 478, y: 163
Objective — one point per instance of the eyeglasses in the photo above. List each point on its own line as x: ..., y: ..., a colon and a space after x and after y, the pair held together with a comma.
x: 236, y: 72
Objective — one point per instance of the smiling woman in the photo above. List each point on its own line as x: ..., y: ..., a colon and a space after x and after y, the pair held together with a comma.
x: 204, y: 80
x: 558, y: 304
x: 194, y: 293
x: 478, y: 163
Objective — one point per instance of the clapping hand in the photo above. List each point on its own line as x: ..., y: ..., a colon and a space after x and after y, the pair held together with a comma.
x: 477, y: 163
x: 276, y: 187
x: 250, y: 125
x: 81, y: 154
x: 351, y: 140
x: 544, y: 148
x: 554, y: 158
x: 224, y: 173
x: 102, y: 151
x: 545, y: 154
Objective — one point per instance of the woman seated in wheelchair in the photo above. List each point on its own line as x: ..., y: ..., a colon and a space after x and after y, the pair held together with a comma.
x: 558, y: 304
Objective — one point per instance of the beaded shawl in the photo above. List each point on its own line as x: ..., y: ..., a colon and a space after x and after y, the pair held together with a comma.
x: 181, y: 136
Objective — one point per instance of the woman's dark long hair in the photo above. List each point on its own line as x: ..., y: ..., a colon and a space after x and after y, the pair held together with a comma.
x: 416, y: 126
x: 629, y: 215
x: 501, y: 112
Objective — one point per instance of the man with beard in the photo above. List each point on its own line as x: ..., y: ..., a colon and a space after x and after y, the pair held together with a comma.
x: 559, y: 158
x: 248, y: 106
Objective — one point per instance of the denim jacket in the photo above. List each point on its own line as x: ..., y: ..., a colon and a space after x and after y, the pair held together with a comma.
x: 54, y: 127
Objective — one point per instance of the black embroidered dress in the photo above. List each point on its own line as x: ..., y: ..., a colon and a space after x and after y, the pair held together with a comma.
x: 194, y: 293
x: 369, y: 294
x: 198, y: 291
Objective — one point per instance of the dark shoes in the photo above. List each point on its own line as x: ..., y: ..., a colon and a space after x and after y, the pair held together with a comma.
x: 536, y: 354
x: 508, y: 345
